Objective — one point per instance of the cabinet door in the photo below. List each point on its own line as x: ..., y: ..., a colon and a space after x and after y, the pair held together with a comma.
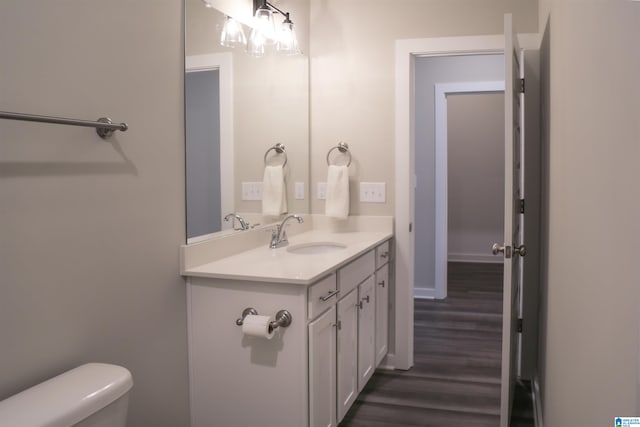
x: 366, y: 331
x: 382, y: 313
x: 322, y: 370
x: 347, y: 352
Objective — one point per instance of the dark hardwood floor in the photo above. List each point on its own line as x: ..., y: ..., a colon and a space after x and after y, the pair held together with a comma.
x: 455, y: 380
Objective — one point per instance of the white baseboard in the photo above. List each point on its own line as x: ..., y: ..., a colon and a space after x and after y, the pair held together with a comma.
x: 537, y: 402
x: 424, y: 293
x: 481, y: 258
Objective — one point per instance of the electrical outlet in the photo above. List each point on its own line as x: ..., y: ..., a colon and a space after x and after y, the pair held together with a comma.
x: 299, y: 190
x: 322, y: 190
x: 373, y: 192
x: 251, y: 191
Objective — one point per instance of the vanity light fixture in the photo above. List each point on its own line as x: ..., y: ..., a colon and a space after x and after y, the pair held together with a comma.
x: 263, y: 33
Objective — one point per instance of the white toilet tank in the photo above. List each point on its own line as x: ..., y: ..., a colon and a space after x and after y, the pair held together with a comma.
x: 91, y: 395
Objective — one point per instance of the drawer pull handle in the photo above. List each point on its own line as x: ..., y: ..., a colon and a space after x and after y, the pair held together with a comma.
x: 381, y: 283
x: 384, y: 254
x: 329, y: 295
x: 359, y: 305
x: 366, y: 298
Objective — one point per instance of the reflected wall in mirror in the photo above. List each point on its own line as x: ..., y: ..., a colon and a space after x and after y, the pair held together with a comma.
x: 261, y: 102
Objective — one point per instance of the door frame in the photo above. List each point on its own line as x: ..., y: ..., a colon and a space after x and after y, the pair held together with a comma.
x: 406, y: 50
x: 442, y: 170
x: 223, y: 62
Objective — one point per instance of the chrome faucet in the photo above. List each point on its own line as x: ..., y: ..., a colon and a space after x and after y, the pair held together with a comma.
x: 244, y: 225
x: 279, y: 234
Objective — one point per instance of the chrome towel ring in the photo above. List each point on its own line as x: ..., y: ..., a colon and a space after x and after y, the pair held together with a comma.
x: 279, y: 149
x: 342, y: 147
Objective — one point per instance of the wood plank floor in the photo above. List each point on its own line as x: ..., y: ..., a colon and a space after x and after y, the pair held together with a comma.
x: 455, y: 380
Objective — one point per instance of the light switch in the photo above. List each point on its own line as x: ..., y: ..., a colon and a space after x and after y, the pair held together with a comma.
x: 322, y: 190
x: 373, y: 192
x: 251, y: 191
x: 299, y: 190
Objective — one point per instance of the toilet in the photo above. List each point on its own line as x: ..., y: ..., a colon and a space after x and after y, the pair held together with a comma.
x: 91, y: 395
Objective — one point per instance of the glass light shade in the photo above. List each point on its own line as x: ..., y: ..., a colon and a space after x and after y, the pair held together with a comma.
x: 256, y: 45
x: 287, y: 41
x: 263, y: 23
x: 232, y: 34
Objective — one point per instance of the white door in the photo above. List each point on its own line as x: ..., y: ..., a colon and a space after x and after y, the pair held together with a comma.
x: 366, y: 331
x: 512, y: 248
x: 322, y: 370
x: 347, y: 352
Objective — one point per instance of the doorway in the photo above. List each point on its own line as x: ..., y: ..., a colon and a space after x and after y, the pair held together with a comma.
x: 436, y: 79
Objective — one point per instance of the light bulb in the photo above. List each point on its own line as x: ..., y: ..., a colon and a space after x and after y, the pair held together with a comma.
x: 263, y: 23
x: 232, y: 34
x: 287, y: 40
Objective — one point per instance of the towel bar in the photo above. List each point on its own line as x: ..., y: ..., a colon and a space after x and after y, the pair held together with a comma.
x: 104, y: 126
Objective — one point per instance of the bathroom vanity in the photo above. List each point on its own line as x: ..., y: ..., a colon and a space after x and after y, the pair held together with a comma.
x: 332, y: 278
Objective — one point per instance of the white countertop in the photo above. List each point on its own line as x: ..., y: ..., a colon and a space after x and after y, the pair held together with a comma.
x: 263, y: 264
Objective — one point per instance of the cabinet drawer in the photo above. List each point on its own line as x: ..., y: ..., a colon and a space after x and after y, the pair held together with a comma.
x: 356, y: 272
x: 322, y: 295
x: 383, y: 254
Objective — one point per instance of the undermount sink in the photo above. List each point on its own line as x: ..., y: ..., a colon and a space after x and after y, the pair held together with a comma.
x: 315, y: 248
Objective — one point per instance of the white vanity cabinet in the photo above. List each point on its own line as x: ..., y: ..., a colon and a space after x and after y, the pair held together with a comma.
x: 307, y: 374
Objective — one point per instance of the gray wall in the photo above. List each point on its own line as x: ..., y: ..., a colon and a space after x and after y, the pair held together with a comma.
x: 589, y: 352
x: 90, y: 229
x: 429, y: 71
x: 202, y: 114
x: 352, y: 75
x: 475, y: 185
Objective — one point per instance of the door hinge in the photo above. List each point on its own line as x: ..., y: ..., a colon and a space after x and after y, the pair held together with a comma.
x: 521, y: 206
x: 519, y: 325
x: 520, y: 88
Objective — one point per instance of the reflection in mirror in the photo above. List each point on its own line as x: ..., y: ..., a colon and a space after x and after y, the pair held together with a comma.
x: 237, y: 107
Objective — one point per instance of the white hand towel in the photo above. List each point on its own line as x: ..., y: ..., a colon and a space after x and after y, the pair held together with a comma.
x: 274, y: 195
x: 337, y: 201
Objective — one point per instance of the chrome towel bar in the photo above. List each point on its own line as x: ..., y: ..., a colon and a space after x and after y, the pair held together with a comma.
x: 104, y: 126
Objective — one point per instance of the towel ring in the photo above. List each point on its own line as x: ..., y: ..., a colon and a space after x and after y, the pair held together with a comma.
x: 342, y: 147
x: 279, y: 149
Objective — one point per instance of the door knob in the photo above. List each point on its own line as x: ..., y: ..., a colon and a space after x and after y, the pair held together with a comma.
x: 520, y: 250
x: 506, y: 250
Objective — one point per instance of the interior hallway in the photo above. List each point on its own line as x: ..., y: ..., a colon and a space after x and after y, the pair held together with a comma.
x: 456, y: 376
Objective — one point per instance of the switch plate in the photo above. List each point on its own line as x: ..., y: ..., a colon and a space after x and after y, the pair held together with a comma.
x: 322, y: 190
x: 251, y: 191
x: 299, y: 190
x: 373, y: 192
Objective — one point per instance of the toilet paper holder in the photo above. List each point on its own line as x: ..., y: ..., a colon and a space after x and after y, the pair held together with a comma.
x: 283, y: 318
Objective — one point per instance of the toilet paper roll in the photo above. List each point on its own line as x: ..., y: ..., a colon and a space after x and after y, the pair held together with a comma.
x: 257, y: 326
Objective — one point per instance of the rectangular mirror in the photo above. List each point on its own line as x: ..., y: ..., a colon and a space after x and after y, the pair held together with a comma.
x: 237, y: 107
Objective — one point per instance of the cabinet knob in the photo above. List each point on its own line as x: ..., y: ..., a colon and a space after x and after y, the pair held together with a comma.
x: 384, y: 254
